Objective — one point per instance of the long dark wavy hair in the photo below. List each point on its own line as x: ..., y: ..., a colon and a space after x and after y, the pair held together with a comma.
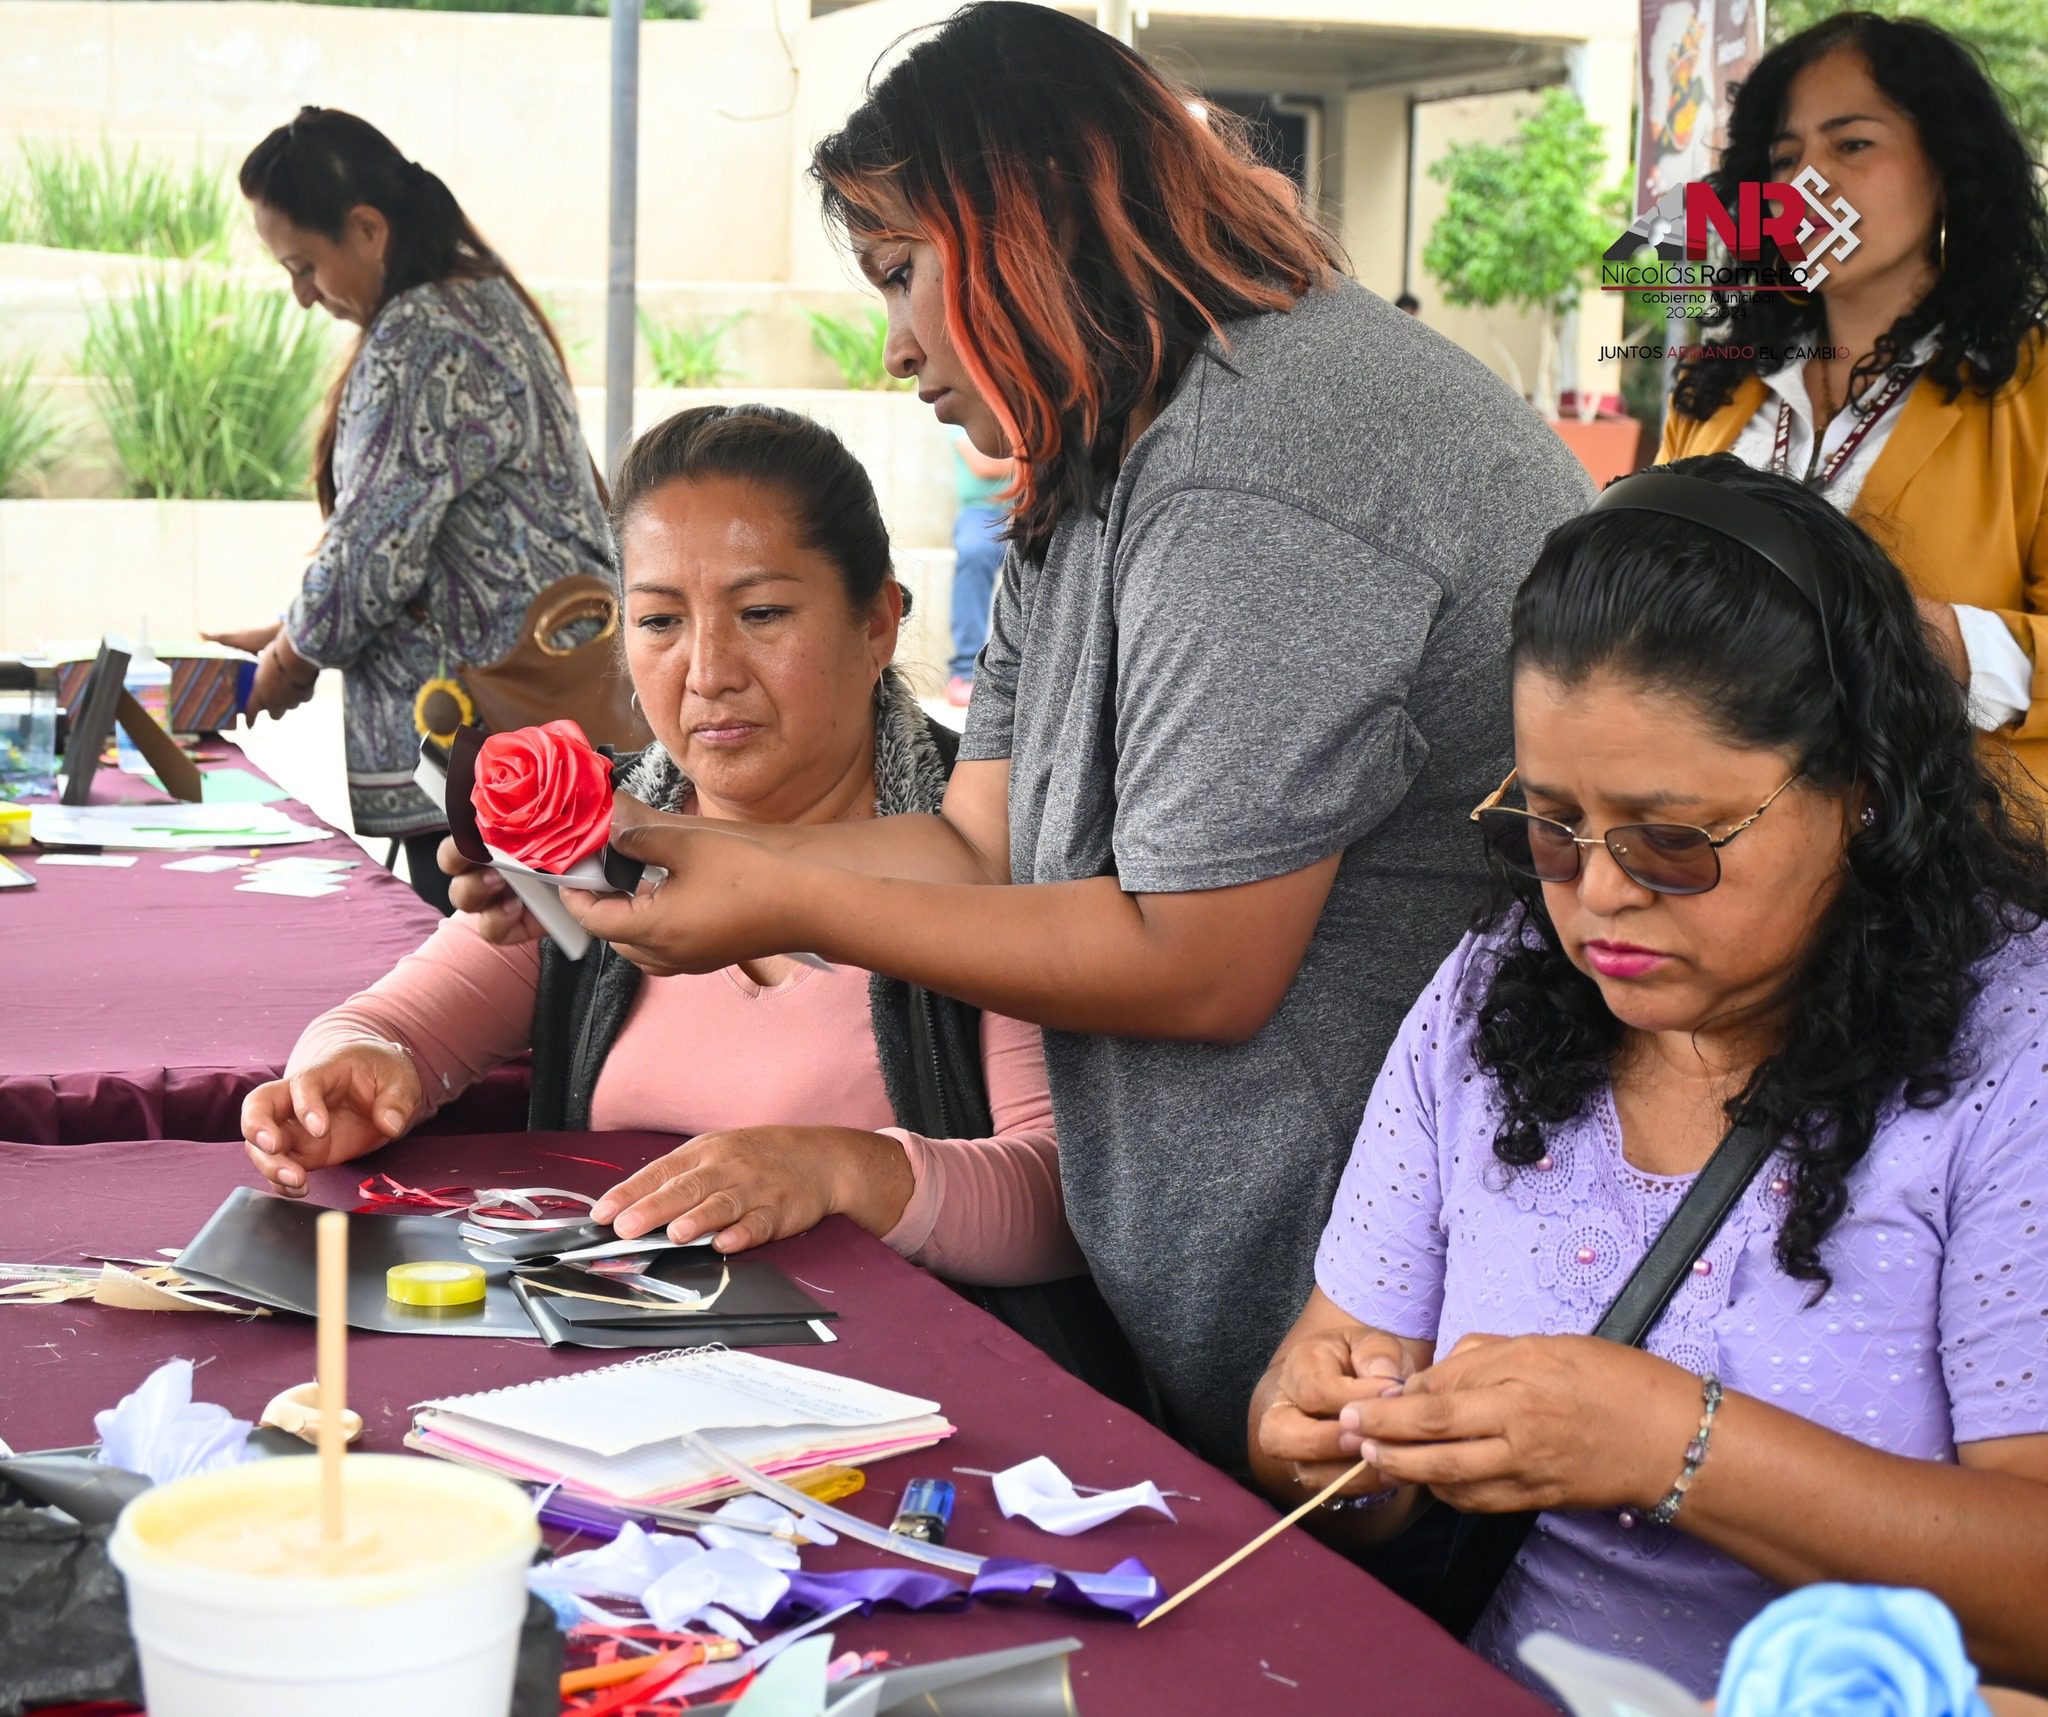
x: 1094, y: 222
x: 325, y: 163
x: 1951, y: 867
x: 1994, y: 289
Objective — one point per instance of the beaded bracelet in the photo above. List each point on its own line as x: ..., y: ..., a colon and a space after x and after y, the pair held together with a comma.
x: 1695, y: 1454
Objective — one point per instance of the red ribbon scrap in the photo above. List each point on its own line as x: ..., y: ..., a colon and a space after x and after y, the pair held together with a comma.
x: 382, y: 1194
x: 676, y: 1653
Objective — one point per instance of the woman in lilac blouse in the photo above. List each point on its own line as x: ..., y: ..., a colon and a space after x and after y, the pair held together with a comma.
x: 1776, y: 886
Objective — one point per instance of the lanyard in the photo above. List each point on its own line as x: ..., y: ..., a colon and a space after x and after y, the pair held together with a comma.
x: 1895, y: 385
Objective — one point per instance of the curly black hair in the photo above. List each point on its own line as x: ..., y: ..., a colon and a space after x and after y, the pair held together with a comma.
x: 1952, y: 867
x: 1992, y: 201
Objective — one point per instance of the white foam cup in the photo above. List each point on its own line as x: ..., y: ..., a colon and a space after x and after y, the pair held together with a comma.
x: 431, y: 1626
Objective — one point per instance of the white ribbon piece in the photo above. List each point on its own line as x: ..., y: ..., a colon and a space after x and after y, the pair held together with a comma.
x: 759, y: 1511
x: 162, y: 1433
x: 1046, y: 1497
x: 675, y: 1579
x: 624, y: 1568
x: 732, y: 1580
x: 526, y: 1199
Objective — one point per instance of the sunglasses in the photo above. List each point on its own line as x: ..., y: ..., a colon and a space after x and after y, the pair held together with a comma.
x: 1665, y: 858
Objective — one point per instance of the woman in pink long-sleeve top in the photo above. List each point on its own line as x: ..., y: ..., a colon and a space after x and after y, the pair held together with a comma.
x: 760, y: 619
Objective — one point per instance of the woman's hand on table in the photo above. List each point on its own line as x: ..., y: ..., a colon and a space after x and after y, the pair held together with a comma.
x: 482, y: 892
x: 1317, y: 1376
x: 724, y: 900
x: 750, y: 1185
x: 341, y: 1107
x: 1502, y: 1424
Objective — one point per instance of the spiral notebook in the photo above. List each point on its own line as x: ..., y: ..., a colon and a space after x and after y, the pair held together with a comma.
x: 612, y: 1433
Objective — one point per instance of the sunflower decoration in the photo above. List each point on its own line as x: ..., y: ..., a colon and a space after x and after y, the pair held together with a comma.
x: 442, y: 708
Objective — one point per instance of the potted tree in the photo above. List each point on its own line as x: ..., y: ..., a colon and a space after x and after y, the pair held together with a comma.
x: 1522, y: 225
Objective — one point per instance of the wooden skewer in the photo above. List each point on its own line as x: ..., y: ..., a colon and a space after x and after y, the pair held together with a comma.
x: 331, y: 1233
x: 1236, y: 1556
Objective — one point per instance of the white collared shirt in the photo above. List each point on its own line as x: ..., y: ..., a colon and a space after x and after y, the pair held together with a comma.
x: 2001, y: 676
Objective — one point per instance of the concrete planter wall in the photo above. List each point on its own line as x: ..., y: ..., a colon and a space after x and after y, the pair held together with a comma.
x: 76, y: 569
x: 47, y: 298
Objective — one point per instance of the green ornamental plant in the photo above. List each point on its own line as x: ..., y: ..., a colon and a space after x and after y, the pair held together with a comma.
x: 857, y: 346
x: 28, y: 434
x: 690, y: 354
x: 82, y: 200
x: 208, y: 388
x: 1523, y: 224
x: 568, y: 330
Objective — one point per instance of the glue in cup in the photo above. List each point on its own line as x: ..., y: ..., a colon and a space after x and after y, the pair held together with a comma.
x: 237, y: 1613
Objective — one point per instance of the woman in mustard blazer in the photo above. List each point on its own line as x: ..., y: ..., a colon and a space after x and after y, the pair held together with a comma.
x: 1910, y: 388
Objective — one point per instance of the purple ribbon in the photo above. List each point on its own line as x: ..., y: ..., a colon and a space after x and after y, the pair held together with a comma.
x: 1126, y: 1590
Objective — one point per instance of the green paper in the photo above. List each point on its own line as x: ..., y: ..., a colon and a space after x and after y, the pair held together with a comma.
x: 232, y: 787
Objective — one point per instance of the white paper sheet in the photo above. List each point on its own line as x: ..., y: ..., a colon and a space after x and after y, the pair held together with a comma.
x: 168, y: 828
x: 97, y: 861
x: 206, y: 863
x: 1046, y: 1497
x: 299, y: 887
x: 298, y: 864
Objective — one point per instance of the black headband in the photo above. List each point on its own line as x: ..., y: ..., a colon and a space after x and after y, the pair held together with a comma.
x: 1741, y: 518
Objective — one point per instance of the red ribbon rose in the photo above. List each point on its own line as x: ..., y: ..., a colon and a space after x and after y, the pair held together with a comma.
x: 543, y: 796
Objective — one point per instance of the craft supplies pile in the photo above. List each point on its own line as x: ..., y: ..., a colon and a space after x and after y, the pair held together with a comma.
x: 1422, y: 1091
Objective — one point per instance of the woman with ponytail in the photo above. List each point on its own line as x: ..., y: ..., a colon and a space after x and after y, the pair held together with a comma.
x: 1241, y: 665
x: 450, y: 466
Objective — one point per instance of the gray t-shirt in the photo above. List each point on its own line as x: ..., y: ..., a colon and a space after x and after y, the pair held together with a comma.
x: 1284, y: 642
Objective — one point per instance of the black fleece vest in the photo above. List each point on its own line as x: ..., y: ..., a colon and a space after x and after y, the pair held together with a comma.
x: 929, y: 1046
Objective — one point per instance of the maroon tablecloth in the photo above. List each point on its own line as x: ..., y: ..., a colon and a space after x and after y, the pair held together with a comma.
x: 1295, y: 1630
x: 144, y: 1003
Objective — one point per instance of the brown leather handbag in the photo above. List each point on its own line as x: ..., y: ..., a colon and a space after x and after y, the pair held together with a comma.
x: 547, y: 678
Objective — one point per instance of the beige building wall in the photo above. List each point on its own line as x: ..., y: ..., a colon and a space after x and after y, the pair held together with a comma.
x: 836, y: 56
x: 512, y: 111
x: 1506, y: 341
x: 1374, y: 186
x: 1604, y: 74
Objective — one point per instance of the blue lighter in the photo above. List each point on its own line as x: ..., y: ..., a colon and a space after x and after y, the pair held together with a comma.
x: 927, y: 1510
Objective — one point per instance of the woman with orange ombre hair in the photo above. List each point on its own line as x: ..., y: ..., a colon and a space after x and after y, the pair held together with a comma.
x: 1242, y: 684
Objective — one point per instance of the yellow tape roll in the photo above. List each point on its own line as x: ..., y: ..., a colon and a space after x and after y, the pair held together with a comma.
x: 434, y: 1284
